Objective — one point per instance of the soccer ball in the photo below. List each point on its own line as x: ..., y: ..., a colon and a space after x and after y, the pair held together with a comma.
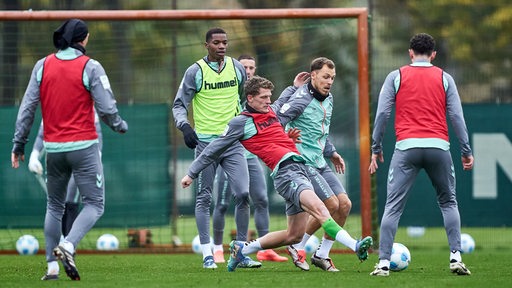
x: 467, y: 243
x: 196, y: 245
x: 312, y: 244
x: 107, y: 242
x: 400, y: 257
x: 27, y: 245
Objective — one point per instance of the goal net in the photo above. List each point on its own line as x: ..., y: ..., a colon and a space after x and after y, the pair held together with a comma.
x: 145, y: 54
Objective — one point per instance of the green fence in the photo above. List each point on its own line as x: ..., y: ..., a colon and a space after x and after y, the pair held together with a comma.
x: 484, y: 193
x: 135, y: 166
x: 140, y: 171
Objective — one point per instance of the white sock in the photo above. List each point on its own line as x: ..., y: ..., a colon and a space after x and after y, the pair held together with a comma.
x: 344, y: 238
x: 252, y: 247
x: 302, y: 244
x: 324, y: 248
x: 383, y: 263
x: 53, y: 268
x: 68, y: 246
x: 207, y: 250
x: 455, y: 255
x: 218, y: 248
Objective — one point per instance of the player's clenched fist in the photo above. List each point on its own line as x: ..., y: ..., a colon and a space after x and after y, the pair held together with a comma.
x: 186, y: 181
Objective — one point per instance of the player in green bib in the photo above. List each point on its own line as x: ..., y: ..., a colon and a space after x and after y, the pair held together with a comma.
x: 214, y: 85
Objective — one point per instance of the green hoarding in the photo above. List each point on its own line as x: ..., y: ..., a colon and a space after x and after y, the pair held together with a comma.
x: 484, y: 193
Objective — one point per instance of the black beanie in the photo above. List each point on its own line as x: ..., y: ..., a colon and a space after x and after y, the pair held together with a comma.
x: 70, y: 32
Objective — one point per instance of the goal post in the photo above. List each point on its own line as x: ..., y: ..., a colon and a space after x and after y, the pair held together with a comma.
x: 360, y: 14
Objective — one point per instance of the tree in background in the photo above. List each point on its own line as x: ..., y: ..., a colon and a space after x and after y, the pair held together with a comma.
x: 473, y: 41
x: 473, y: 38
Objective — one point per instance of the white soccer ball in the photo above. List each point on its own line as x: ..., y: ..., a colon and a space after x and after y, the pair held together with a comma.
x: 400, y: 257
x: 312, y: 244
x: 196, y: 245
x: 467, y: 243
x: 415, y: 231
x: 107, y: 242
x: 27, y: 245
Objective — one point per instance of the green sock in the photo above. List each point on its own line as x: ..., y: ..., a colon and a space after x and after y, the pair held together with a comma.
x: 331, y: 227
x: 335, y: 231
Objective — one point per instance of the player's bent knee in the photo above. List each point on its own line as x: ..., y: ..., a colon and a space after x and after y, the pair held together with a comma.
x: 332, y: 205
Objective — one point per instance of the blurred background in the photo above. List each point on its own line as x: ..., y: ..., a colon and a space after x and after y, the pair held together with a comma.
x: 145, y: 61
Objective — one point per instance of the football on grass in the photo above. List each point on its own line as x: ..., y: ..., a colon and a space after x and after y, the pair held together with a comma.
x: 312, y: 244
x: 196, y: 245
x: 400, y: 257
x: 27, y: 245
x: 467, y: 243
x: 107, y: 242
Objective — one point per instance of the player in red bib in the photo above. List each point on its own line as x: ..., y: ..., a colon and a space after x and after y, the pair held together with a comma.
x: 260, y: 132
x: 68, y: 85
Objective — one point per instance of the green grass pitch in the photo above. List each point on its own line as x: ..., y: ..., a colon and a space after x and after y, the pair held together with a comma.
x: 489, y: 263
x: 429, y: 268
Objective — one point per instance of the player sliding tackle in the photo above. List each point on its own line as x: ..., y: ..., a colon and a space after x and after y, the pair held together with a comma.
x: 260, y: 132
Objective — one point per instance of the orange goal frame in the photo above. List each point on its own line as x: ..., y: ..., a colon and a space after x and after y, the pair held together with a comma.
x: 361, y: 14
